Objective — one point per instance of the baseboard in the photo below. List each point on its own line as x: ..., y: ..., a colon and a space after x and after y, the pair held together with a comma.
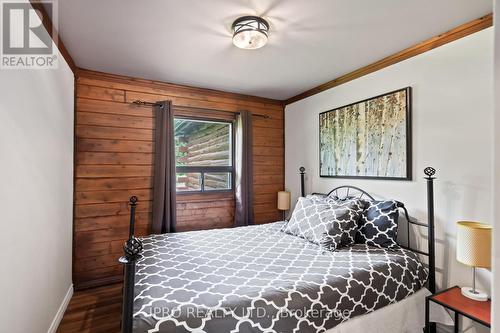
x: 60, y: 312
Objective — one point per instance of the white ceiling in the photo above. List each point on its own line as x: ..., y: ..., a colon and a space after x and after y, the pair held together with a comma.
x: 311, y: 41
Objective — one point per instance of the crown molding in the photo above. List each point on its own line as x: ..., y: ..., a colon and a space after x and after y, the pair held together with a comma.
x: 51, y: 29
x: 424, y: 46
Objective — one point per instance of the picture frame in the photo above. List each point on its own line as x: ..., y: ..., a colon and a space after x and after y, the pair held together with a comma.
x: 368, y: 139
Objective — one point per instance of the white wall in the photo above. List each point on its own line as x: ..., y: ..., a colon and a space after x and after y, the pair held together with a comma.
x: 36, y: 195
x: 496, y: 213
x: 452, y: 131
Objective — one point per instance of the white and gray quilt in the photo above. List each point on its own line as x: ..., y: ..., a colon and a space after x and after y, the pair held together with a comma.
x: 259, y: 279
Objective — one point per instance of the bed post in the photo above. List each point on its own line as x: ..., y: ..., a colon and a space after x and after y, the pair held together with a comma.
x: 302, y: 187
x: 132, y: 251
x: 430, y: 172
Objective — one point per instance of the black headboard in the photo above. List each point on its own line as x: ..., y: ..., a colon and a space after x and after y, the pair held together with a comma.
x: 347, y: 191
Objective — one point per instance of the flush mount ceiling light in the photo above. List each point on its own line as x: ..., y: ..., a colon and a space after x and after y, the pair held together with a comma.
x: 250, y: 32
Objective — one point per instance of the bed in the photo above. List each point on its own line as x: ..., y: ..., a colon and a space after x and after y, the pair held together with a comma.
x: 260, y: 279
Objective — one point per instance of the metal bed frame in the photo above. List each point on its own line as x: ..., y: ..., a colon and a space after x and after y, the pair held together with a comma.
x: 133, y: 246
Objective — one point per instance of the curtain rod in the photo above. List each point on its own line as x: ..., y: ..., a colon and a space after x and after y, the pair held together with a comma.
x: 140, y: 102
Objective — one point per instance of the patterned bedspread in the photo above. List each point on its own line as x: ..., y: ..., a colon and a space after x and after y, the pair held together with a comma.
x: 259, y: 279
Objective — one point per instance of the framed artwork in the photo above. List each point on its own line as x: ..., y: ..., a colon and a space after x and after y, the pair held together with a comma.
x: 368, y: 139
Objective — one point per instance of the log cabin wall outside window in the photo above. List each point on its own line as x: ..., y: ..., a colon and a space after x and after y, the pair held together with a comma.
x: 204, y: 151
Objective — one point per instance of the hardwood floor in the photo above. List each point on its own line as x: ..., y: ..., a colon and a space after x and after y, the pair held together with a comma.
x: 95, y: 310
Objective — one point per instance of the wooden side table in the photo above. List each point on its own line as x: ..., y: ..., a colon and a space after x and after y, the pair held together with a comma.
x: 453, y: 299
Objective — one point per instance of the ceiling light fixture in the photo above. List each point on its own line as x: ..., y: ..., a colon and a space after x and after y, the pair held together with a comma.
x: 250, y: 32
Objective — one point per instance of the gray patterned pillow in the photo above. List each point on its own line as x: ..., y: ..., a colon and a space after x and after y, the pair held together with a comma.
x: 324, y: 222
x: 378, y: 225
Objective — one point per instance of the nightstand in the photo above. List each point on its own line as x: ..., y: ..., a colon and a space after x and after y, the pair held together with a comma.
x: 453, y: 299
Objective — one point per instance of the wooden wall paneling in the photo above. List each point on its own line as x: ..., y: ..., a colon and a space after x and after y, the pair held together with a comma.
x: 113, y: 145
x: 99, y: 93
x: 203, y: 113
x: 114, y: 160
x: 205, y: 214
x: 111, y: 221
x: 201, y: 103
x: 106, y: 80
x: 102, y: 171
x: 102, y: 132
x: 262, y: 217
x: 87, y: 184
x: 109, y: 107
x: 109, y: 209
x: 113, y: 120
x: 92, y: 197
x: 268, y: 151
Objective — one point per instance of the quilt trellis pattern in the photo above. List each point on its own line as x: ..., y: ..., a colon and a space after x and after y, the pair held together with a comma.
x: 260, y: 279
x: 328, y: 223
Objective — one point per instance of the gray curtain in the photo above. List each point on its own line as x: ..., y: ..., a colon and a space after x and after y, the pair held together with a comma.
x: 164, y: 201
x: 244, y: 170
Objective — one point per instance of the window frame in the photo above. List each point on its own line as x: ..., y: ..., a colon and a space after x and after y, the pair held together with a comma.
x: 209, y: 169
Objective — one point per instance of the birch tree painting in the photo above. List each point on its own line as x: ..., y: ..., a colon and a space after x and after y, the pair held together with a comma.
x: 368, y: 138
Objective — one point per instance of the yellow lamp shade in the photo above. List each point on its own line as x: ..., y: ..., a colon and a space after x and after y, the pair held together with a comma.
x: 284, y: 200
x: 474, y: 244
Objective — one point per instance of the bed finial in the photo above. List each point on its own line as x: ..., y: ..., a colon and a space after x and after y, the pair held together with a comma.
x: 131, y: 252
x: 302, y: 189
x: 132, y: 248
x: 429, y: 172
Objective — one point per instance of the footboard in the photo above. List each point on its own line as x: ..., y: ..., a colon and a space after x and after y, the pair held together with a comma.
x: 132, y: 251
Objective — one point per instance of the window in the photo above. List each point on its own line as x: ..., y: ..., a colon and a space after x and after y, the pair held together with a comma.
x: 203, y: 155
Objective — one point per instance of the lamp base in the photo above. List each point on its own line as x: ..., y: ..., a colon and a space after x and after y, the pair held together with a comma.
x: 477, y: 295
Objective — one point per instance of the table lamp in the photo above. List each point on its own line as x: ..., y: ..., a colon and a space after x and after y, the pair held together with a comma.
x: 474, y: 249
x: 284, y: 202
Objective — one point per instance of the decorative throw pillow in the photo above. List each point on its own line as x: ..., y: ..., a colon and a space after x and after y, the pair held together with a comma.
x: 324, y: 222
x: 378, y: 224
x: 358, y: 204
x: 317, y: 197
x: 354, y: 203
